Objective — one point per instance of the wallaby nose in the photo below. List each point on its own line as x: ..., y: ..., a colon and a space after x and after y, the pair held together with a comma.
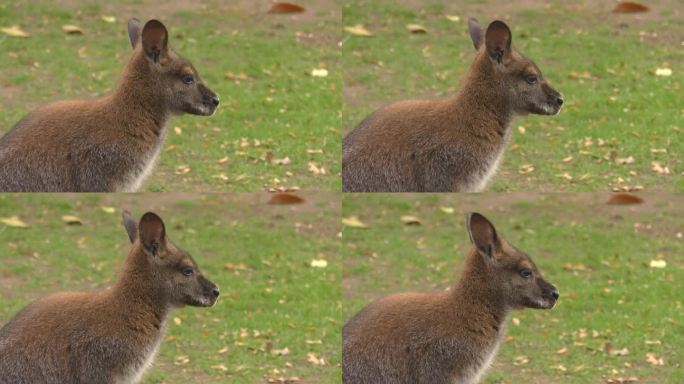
x: 215, y: 101
x: 559, y: 101
x: 215, y: 292
x: 555, y: 294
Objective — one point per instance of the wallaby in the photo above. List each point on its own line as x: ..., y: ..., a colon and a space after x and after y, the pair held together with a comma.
x: 449, y: 337
x: 110, y: 336
x: 110, y: 144
x: 453, y: 144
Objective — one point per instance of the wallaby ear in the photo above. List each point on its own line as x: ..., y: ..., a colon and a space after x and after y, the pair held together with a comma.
x: 152, y: 233
x: 498, y: 41
x: 476, y: 32
x: 482, y: 234
x: 155, y: 40
x: 130, y: 225
x: 134, y: 28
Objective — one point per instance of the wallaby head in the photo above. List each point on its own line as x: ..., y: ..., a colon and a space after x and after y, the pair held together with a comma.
x: 168, y: 74
x: 510, y: 270
x: 510, y: 72
x: 173, y: 271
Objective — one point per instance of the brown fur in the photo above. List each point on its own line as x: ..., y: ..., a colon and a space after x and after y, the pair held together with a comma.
x: 109, y: 336
x: 109, y: 144
x: 447, y: 337
x: 452, y: 144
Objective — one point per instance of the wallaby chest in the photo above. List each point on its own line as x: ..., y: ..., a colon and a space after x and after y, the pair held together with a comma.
x: 143, y: 163
x: 136, y: 368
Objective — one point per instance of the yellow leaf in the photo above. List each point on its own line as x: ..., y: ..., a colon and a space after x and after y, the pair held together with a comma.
x: 72, y: 29
x: 71, y: 220
x: 663, y: 72
x: 410, y: 220
x: 322, y: 72
x: 13, y: 221
x: 358, y: 30
x: 14, y: 31
x: 447, y: 209
x: 354, y: 222
x: 657, y: 264
x: 108, y: 209
x: 108, y: 19
x: 319, y: 263
x: 416, y: 28
x: 453, y: 18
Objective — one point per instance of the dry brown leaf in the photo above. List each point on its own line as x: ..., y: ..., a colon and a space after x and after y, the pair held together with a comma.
x: 71, y: 220
x: 358, y: 30
x: 285, y: 198
x: 621, y: 380
x: 659, y: 168
x: 14, y: 31
x: 654, y: 360
x: 354, y: 222
x: 526, y: 168
x: 311, y: 357
x: 625, y: 160
x: 14, y: 221
x: 283, y: 7
x: 182, y: 169
x: 72, y: 29
x: 281, y: 352
x: 624, y: 199
x: 629, y: 7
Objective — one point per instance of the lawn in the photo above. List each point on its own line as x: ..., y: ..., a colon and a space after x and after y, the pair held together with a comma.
x: 260, y: 255
x: 260, y: 64
x: 621, y: 127
x: 617, y: 317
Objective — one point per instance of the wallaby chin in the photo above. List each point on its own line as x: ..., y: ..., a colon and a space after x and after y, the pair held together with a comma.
x: 445, y: 337
x: 110, y: 144
x: 111, y: 336
x: 455, y: 144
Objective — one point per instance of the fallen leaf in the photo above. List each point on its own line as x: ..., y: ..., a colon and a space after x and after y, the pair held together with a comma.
x: 320, y: 263
x: 223, y: 160
x: 526, y: 168
x: 108, y: 209
x: 285, y: 198
x: 71, y: 220
x: 516, y: 321
x: 178, y: 130
x: 13, y: 221
x: 177, y: 320
x: 416, y: 28
x: 313, y: 168
x: 311, y: 357
x: 182, y: 169
x: 665, y: 72
x: 222, y: 350
x: 447, y: 209
x: 358, y: 30
x: 651, y: 358
x: 657, y: 264
x: 322, y: 72
x: 72, y: 29
x: 659, y: 168
x: 625, y: 160
x: 453, y: 18
x: 624, y: 199
x: 521, y: 129
x: 283, y: 7
x: 567, y: 159
x: 562, y: 351
x: 14, y: 31
x: 108, y: 19
x: 622, y: 380
x: 629, y: 7
x: 410, y: 220
x: 281, y: 352
x: 181, y: 360
x: 354, y: 222
x: 619, y: 352
x: 283, y: 161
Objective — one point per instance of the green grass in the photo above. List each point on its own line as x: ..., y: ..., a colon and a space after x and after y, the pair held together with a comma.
x: 596, y: 254
x: 622, y: 109
x: 258, y: 254
x: 260, y: 64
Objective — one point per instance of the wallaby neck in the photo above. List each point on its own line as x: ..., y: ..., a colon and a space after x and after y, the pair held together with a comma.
x: 476, y: 299
x: 481, y: 100
x: 136, y: 294
x: 138, y: 93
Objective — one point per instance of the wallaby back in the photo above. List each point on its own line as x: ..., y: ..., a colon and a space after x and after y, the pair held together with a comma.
x: 452, y: 144
x: 448, y: 337
x: 110, y: 336
x: 109, y: 144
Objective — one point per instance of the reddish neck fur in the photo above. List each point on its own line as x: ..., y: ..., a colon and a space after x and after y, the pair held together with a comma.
x: 479, y: 97
x: 476, y: 291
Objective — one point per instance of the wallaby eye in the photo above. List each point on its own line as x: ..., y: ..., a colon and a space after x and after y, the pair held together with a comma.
x: 531, y: 79
x: 188, y: 79
x: 526, y: 273
x: 187, y: 271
